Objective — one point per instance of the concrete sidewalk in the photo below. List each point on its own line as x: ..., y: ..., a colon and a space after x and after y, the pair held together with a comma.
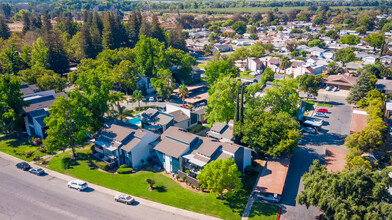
x: 166, y: 208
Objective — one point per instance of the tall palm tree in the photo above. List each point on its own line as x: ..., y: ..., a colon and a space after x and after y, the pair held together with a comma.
x: 183, y: 93
x: 138, y: 96
x: 122, y: 112
x: 284, y: 64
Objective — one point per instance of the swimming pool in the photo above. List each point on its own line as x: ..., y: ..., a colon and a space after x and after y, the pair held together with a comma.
x: 136, y: 121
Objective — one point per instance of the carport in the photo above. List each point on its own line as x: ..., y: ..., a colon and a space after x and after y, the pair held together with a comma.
x: 273, y: 176
x: 335, y: 158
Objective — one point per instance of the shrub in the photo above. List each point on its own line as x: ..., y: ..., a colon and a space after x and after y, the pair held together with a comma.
x: 66, y: 163
x: 29, y: 153
x: 142, y: 108
x: 37, y: 157
x: 187, y: 172
x: 42, y: 149
x: 123, y: 166
x: 37, y: 141
x: 102, y: 165
x: 124, y: 170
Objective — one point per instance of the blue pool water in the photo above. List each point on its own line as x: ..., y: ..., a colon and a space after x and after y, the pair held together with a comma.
x: 135, y: 121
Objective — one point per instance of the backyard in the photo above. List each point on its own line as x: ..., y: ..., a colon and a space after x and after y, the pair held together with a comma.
x: 14, y: 146
x: 167, y: 191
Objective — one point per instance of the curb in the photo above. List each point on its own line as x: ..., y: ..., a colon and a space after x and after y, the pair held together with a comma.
x: 145, y: 202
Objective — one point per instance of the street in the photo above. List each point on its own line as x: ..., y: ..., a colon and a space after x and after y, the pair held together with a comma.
x: 334, y: 130
x: 26, y: 196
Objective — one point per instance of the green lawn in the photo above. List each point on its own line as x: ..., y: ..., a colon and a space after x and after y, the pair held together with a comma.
x: 167, y: 191
x: 13, y: 146
x: 324, y: 104
x: 309, y: 104
x: 264, y: 211
x: 245, y: 74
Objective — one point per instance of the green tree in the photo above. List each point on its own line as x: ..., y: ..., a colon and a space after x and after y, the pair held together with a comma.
x: 5, y: 32
x: 375, y: 40
x: 349, y: 39
x: 125, y: 75
x: 239, y: 27
x: 351, y: 194
x: 333, y: 68
x: 270, y: 133
x: 283, y: 97
x: 219, y: 176
x: 133, y: 27
x: 11, y: 60
x: 220, y: 68
x: 357, y: 162
x: 39, y: 54
x: 345, y: 55
x: 51, y: 81
x: 85, y: 43
x: 57, y: 57
x: 221, y: 103
x: 67, y: 123
x: 26, y: 56
x: 163, y: 83
x: 257, y: 50
x: 150, y: 56
x: 310, y: 83
x: 268, y: 75
x: 183, y: 93
x: 156, y: 29
x: 95, y: 85
x: 241, y: 53
x: 365, y: 83
x: 137, y: 96
x: 11, y: 103
x: 177, y: 39
x: 316, y: 43
x: 284, y: 64
x: 108, y: 40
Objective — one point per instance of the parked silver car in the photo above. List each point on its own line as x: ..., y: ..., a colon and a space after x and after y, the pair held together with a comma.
x: 37, y: 171
x: 269, y: 197
x: 124, y: 198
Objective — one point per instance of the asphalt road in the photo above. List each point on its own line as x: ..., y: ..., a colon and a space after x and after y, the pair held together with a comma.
x: 26, y: 196
x: 336, y: 127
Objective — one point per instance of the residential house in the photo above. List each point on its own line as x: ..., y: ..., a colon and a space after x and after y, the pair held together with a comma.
x: 254, y: 65
x: 221, y: 131
x: 273, y: 63
x: 384, y: 86
x: 120, y: 143
x: 183, y: 117
x: 315, y: 51
x: 366, y: 58
x: 179, y: 149
x: 327, y: 55
x: 144, y: 85
x: 348, y: 32
x: 344, y: 82
x: 386, y: 60
x: 388, y: 112
x: 38, y: 109
x: 353, y: 67
x: 156, y: 121
x: 222, y: 48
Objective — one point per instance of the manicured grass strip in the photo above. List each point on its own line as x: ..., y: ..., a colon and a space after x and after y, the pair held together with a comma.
x: 324, y: 104
x: 167, y: 191
x: 264, y: 211
x: 14, y: 146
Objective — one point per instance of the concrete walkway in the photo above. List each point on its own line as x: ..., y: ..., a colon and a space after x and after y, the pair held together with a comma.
x: 251, y: 199
x: 166, y: 208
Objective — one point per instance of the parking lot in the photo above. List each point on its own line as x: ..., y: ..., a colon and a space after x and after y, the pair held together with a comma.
x: 332, y: 134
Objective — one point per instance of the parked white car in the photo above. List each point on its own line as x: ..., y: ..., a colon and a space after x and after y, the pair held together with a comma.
x: 151, y: 99
x: 335, y: 89
x: 270, y: 197
x: 124, y: 198
x: 77, y: 184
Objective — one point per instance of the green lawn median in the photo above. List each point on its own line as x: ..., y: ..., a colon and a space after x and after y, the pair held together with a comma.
x: 167, y: 191
x: 264, y: 211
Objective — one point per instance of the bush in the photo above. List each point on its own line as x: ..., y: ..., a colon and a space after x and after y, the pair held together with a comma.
x: 102, y: 165
x: 37, y: 141
x: 66, y: 163
x: 142, y: 108
x: 124, y: 170
x: 123, y: 166
x: 42, y: 150
x: 29, y: 153
x: 37, y: 157
x: 92, y: 148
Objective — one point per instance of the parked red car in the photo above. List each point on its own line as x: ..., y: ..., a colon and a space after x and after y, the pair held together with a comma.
x: 323, y: 110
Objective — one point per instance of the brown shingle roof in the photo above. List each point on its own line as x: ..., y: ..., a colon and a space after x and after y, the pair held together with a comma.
x: 171, y: 147
x: 341, y: 80
x: 179, y: 116
x: 178, y: 134
x: 131, y: 144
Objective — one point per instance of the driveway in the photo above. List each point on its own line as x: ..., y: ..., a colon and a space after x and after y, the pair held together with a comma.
x: 336, y: 127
